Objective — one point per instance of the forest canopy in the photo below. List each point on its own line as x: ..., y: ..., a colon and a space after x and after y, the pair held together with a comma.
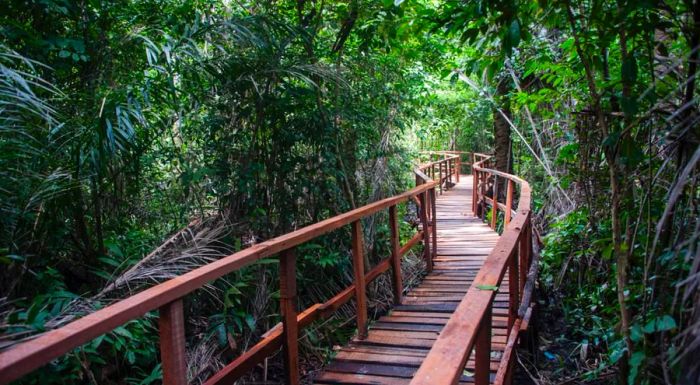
x: 140, y: 140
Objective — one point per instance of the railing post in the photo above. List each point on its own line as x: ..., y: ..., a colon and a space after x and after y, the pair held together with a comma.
x: 459, y: 167
x: 448, y: 165
x: 494, y: 208
x: 452, y: 170
x: 171, y: 325
x: 509, y: 203
x: 434, y: 220
x: 288, y: 307
x: 482, y: 351
x: 428, y: 208
x: 358, y: 263
x: 513, y: 291
x: 524, y: 253
x: 440, y: 178
x: 482, y: 198
x: 422, y: 197
x: 395, y: 257
x: 475, y: 186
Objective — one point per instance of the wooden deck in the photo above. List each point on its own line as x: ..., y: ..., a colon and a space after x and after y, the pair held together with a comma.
x: 398, y: 343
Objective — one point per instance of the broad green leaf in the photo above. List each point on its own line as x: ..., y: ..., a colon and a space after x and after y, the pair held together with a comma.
x: 121, y: 330
x: 636, y: 333
x: 616, y: 355
x: 665, y: 323
x: 635, y: 362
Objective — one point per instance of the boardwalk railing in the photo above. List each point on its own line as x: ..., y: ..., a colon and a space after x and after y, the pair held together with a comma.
x: 167, y: 297
x: 468, y: 331
x: 447, y: 164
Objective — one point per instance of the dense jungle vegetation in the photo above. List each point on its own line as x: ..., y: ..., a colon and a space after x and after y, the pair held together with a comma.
x: 142, y: 139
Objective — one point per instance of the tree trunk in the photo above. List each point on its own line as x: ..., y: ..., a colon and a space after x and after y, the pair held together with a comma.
x: 687, y: 144
x: 501, y: 132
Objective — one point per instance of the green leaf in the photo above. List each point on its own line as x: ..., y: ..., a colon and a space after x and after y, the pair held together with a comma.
x: 659, y: 324
x: 9, y: 258
x: 109, y: 261
x: 616, y: 355
x: 612, y: 139
x: 33, y: 311
x: 568, y: 153
x: 121, y: 330
x: 267, y: 261
x: 607, y: 251
x: 155, y: 376
x: 221, y: 335
x: 250, y: 321
x: 636, y: 333
x: 63, y: 53
x: 665, y: 323
x: 635, y: 362
x: 514, y: 33
x: 487, y: 287
x: 97, y: 341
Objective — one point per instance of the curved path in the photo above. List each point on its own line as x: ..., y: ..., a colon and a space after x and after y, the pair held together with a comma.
x: 397, y: 344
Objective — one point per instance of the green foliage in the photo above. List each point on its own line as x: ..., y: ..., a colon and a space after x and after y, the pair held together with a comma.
x: 123, y: 121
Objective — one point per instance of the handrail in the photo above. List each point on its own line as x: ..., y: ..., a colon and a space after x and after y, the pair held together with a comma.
x: 469, y: 327
x: 448, y: 166
x: 457, y: 156
x: 167, y: 296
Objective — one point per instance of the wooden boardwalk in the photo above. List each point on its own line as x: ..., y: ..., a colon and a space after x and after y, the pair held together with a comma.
x: 442, y: 332
x: 397, y: 344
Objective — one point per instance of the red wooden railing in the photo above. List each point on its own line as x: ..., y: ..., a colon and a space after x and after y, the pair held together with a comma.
x: 167, y: 297
x: 426, y: 173
x: 445, y: 165
x: 468, y: 331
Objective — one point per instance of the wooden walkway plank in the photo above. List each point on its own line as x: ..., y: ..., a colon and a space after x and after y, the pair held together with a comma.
x: 397, y: 343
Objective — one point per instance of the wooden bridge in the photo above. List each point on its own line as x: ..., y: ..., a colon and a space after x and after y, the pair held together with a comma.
x: 460, y: 325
